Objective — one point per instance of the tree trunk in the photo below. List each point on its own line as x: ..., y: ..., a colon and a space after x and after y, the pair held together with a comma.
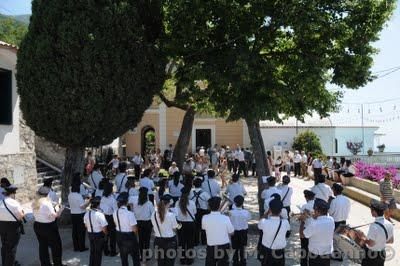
x: 74, y: 162
x: 260, y: 156
x: 182, y: 144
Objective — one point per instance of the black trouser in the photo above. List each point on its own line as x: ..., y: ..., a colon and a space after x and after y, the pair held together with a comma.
x: 165, y: 247
x: 304, y: 252
x: 217, y: 255
x: 138, y: 171
x: 78, y: 231
x: 48, y: 236
x: 259, y: 245
x: 242, y: 168
x: 317, y: 173
x: 314, y: 260
x: 200, y: 234
x: 239, y: 243
x: 110, y: 246
x: 186, y: 241
x: 253, y: 169
x: 374, y: 258
x: 10, y: 235
x: 273, y: 257
x: 145, y: 228
x: 235, y: 165
x: 297, y: 169
x: 97, y: 241
x: 128, y: 245
x: 231, y: 165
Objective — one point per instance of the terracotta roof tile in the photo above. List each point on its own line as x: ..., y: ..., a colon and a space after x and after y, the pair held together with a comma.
x: 9, y: 46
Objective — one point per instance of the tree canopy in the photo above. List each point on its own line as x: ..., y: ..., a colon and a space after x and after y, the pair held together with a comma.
x: 12, y: 31
x: 307, y: 141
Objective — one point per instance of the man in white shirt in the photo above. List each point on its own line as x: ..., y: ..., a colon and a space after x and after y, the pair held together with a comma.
x: 274, y: 230
x: 320, y: 234
x: 11, y: 215
x: 218, y: 227
x: 286, y: 193
x: 137, y: 164
x: 200, y: 198
x: 267, y: 193
x: 322, y: 190
x: 145, y: 181
x: 95, y: 177
x: 242, y: 162
x: 379, y: 234
x: 210, y: 185
x: 305, y: 219
x: 121, y: 178
x: 297, y: 164
x: 317, y: 167
x: 235, y: 188
x: 304, y: 164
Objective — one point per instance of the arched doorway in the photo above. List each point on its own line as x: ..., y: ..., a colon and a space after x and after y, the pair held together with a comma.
x: 148, y: 140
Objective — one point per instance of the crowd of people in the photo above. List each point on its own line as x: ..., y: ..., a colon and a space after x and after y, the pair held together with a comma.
x: 188, y: 207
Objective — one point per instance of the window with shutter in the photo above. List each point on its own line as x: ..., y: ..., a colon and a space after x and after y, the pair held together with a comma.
x: 5, y: 97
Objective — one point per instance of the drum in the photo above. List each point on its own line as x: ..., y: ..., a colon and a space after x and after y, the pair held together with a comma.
x: 346, y: 240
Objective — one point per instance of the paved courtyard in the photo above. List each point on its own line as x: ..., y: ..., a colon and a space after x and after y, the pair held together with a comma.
x: 360, y: 214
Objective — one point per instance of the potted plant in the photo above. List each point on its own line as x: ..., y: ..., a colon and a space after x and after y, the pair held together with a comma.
x: 381, y: 147
x: 370, y: 152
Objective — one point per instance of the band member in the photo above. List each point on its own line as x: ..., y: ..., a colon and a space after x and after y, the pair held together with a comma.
x: 143, y: 209
x: 235, y: 188
x: 218, y: 227
x: 164, y: 225
x: 4, y: 182
x: 145, y: 181
x: 95, y: 177
x: 175, y: 186
x: 109, y: 205
x: 46, y: 228
x: 379, y: 234
x: 11, y: 216
x: 126, y: 227
x: 186, y: 211
x: 210, y: 185
x: 114, y: 163
x: 78, y: 208
x: 269, y: 191
x: 239, y: 219
x: 200, y: 199
x: 286, y: 193
x: 320, y: 234
x: 340, y: 206
x: 274, y: 235
x: 137, y: 164
x: 48, y: 182
x: 121, y: 178
x: 96, y: 225
x: 322, y: 190
x: 305, y: 219
x: 130, y: 187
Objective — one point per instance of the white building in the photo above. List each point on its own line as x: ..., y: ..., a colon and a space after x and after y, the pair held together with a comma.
x: 333, y: 137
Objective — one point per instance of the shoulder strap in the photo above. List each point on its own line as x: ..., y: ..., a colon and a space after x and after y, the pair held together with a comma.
x: 384, y: 229
x: 119, y: 223
x: 120, y: 185
x: 13, y: 215
x: 209, y: 187
x: 190, y: 214
x: 197, y: 196
x: 276, y: 234
x: 287, y: 192
x: 158, y: 226
x: 90, y: 221
x: 91, y: 177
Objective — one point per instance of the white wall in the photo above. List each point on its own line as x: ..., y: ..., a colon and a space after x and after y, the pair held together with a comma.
x: 344, y: 135
x: 9, y: 134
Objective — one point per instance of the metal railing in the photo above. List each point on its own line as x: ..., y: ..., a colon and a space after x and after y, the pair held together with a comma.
x: 383, y: 159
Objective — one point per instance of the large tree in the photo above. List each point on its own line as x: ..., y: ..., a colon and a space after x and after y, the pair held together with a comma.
x: 273, y: 59
x: 87, y: 71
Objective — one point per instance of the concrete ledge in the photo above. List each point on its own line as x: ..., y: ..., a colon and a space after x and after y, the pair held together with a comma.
x: 371, y: 187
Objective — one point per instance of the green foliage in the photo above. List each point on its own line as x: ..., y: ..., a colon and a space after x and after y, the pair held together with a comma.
x: 87, y: 70
x: 12, y: 31
x: 307, y: 141
x: 263, y: 58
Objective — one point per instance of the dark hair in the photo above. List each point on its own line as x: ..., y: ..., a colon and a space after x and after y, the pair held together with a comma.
x: 214, y: 203
x: 342, y: 160
x: 75, y: 187
x: 130, y: 183
x: 108, y: 189
x: 121, y: 203
x: 122, y: 167
x: 348, y: 163
x: 103, y: 183
x: 96, y: 166
x: 48, y: 182
x: 276, y: 196
x: 271, y: 181
x: 143, y: 197
x: 210, y: 173
x: 235, y: 178
x: 161, y: 190
x: 197, y: 182
x: 177, y: 176
x: 5, y: 182
x: 321, y: 179
x: 146, y: 172
x: 162, y: 210
x: 94, y: 204
x: 269, y: 153
x: 322, y: 211
x: 378, y: 212
x: 76, y: 178
x: 183, y: 202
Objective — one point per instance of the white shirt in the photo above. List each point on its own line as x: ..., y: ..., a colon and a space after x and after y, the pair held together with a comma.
x: 1, y: 193
x: 175, y: 191
x: 297, y: 158
x: 76, y: 202
x: 148, y: 183
x: 167, y: 227
x: 320, y: 234
x: 13, y: 206
x: 124, y: 218
x: 98, y: 221
x: 137, y: 160
x: 120, y: 182
x: 215, y: 188
x: 240, y: 218
x: 286, y: 194
x: 186, y: 218
x: 115, y: 163
x: 317, y: 163
x: 240, y: 156
x: 309, y: 206
x: 304, y: 159
x: 377, y: 234
x: 235, y: 189
x: 340, y: 208
x: 267, y: 193
x: 218, y: 227
x: 94, y: 179
x: 99, y: 193
x: 53, y: 197
x: 322, y: 191
x: 108, y: 205
x: 45, y: 213
x: 172, y: 170
x: 142, y: 212
x: 133, y: 192
x: 269, y: 227
x: 201, y: 199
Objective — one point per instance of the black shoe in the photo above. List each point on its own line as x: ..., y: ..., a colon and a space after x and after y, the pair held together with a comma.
x: 84, y: 249
x: 113, y: 254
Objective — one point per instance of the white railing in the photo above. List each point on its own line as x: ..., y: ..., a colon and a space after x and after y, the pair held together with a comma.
x: 384, y: 159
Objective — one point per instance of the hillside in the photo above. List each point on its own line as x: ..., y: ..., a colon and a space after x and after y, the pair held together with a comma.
x: 23, y: 18
x: 11, y: 30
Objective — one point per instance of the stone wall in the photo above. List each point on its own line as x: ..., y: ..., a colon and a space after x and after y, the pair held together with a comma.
x: 20, y: 168
x: 50, y: 152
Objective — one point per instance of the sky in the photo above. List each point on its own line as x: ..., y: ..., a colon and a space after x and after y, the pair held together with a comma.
x: 380, y: 99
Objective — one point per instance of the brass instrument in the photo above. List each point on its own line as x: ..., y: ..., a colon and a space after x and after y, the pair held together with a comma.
x: 225, y: 203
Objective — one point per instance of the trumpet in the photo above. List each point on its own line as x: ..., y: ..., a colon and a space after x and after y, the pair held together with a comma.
x: 226, y: 202
x: 303, y: 215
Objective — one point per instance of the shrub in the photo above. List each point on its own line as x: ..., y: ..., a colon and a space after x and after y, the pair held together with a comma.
x: 307, y: 141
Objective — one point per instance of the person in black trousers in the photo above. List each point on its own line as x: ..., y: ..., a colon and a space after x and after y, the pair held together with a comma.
x: 11, y: 216
x: 96, y: 225
x: 108, y: 205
